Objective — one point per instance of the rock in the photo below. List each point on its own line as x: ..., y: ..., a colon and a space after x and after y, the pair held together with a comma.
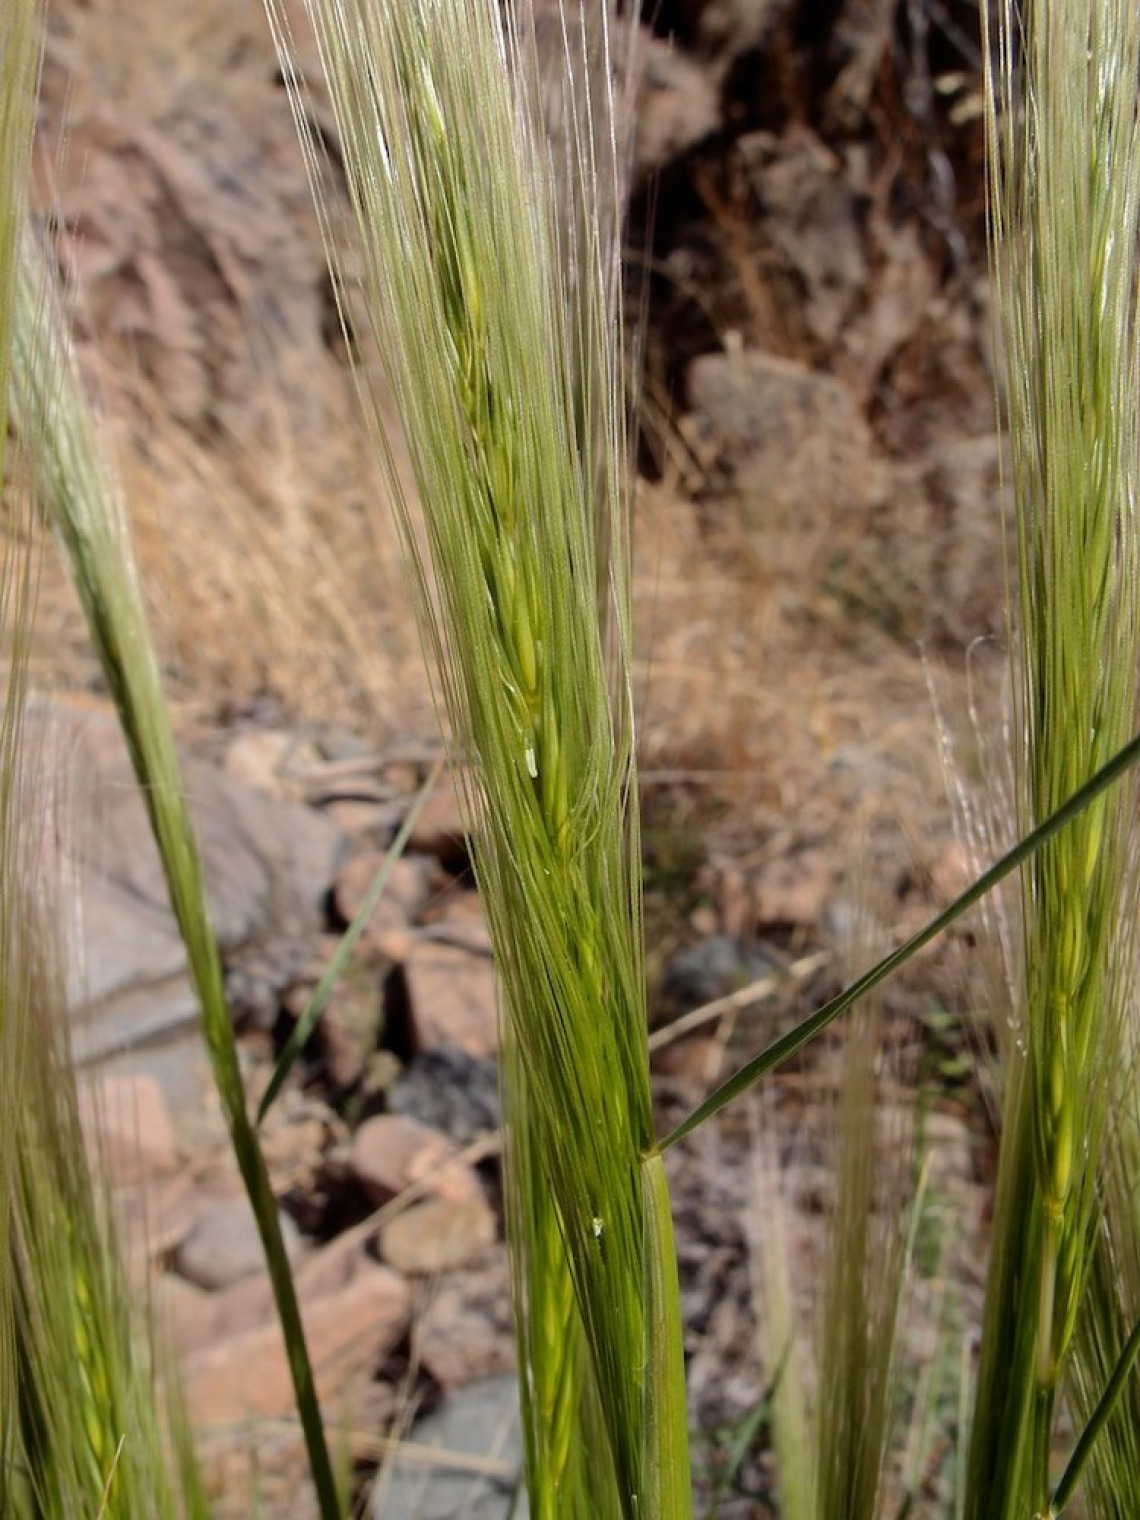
x: 466, y: 1332
x: 440, y: 829
x: 792, y: 890
x: 184, y: 1315
x: 403, y: 898
x: 437, y: 1236
x: 452, y: 999
x: 392, y: 1152
x: 724, y: 29
x: 694, y: 1061
x: 451, y: 1091
x: 272, y: 760
x: 359, y: 1313
x: 481, y: 1422
x: 794, y: 445
x: 267, y: 866
x: 677, y: 105
x: 813, y: 210
x: 952, y: 872
x: 711, y: 969
x: 180, y: 1066
x: 224, y: 1245
x: 152, y: 1221
x: 349, y: 1028
x: 458, y: 920
x: 129, y: 1126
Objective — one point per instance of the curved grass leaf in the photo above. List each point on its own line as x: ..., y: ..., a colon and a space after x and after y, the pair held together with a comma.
x: 788, y: 1044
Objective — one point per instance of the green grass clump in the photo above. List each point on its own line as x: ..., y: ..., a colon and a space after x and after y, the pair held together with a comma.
x: 80, y: 1432
x: 1064, y: 139
x: 491, y: 270
x: 84, y: 507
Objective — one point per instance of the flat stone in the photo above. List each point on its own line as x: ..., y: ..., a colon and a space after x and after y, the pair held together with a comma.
x: 267, y: 864
x: 392, y: 1152
x: 437, y: 1236
x: 452, y: 998
x: 244, y: 1373
x: 181, y: 1067
x: 792, y: 440
x: 224, y: 1245
x: 272, y: 760
x: 480, y: 1422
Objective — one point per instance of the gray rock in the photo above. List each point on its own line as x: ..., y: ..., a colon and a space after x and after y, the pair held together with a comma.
x: 712, y: 968
x: 451, y: 1091
x: 268, y: 865
x: 480, y: 1422
x: 224, y: 1245
x: 792, y: 442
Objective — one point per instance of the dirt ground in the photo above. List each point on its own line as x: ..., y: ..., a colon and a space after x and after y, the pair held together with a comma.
x: 820, y: 600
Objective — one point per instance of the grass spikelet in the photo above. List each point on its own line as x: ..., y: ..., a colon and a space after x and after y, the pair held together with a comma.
x: 1063, y: 148
x: 496, y: 315
x: 863, y: 1286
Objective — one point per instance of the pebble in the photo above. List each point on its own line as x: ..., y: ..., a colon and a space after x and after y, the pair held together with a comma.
x: 452, y: 999
x: 391, y: 1152
x: 437, y: 1236
x: 224, y: 1245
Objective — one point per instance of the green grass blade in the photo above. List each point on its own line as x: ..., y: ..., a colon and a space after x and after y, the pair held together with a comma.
x: 788, y: 1044
x: 667, y: 1444
x: 338, y: 962
x: 20, y: 39
x: 1095, y: 1428
x: 75, y: 484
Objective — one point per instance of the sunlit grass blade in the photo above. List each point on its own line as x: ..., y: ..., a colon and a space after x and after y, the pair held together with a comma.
x: 491, y: 277
x: 338, y: 963
x: 789, y: 1044
x: 20, y: 40
x: 82, y: 502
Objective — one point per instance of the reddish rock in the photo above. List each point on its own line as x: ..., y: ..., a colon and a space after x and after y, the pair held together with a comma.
x: 393, y: 1151
x: 452, y: 999
x: 440, y: 829
x: 129, y: 1127
x: 403, y: 898
x: 792, y: 890
x: 244, y: 1373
